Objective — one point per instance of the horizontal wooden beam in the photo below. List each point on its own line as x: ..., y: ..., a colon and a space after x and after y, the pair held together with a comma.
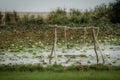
x: 82, y: 28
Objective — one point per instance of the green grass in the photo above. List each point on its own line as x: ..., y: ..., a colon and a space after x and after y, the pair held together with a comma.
x: 75, y: 75
x: 58, y: 68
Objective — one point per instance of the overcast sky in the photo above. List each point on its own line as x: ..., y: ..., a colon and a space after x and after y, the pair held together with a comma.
x: 48, y: 5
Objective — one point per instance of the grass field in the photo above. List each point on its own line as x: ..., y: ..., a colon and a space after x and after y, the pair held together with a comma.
x: 82, y: 75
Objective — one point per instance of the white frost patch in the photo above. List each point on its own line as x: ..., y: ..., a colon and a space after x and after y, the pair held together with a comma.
x: 84, y: 56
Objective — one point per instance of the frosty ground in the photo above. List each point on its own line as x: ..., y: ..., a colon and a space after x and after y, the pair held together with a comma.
x: 66, y: 57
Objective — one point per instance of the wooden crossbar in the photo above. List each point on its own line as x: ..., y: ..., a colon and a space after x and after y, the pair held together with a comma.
x: 57, y: 26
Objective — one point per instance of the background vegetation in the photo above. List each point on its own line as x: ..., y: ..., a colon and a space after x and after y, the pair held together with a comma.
x: 29, y: 31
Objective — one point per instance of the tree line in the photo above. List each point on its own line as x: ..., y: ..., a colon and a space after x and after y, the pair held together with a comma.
x: 101, y: 14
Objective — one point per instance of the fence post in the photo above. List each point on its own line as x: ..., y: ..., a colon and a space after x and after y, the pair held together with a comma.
x: 95, y: 47
x: 99, y: 47
x: 54, y: 47
x: 55, y: 44
x: 65, y: 36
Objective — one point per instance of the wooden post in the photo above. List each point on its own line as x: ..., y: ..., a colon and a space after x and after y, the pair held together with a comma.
x: 95, y: 47
x: 97, y: 32
x: 65, y: 36
x: 84, y: 35
x: 54, y: 47
x: 99, y: 46
x: 96, y: 44
x: 101, y: 53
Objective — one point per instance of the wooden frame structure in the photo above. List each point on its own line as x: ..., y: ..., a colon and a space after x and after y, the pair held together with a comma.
x: 93, y: 33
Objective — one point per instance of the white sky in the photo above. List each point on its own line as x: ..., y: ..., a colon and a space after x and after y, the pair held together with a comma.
x: 48, y: 5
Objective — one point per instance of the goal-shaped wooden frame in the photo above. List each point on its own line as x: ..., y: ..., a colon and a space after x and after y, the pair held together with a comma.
x: 94, y: 36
